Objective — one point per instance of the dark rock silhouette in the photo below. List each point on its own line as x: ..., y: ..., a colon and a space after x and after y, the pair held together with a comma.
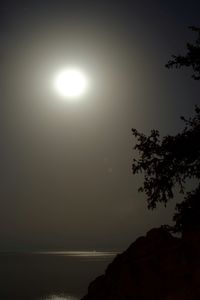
x: 155, y: 267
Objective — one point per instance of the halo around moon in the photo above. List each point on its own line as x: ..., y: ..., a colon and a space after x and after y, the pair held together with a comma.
x: 71, y: 83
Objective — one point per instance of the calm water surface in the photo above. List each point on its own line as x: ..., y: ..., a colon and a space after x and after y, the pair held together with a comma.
x: 50, y: 275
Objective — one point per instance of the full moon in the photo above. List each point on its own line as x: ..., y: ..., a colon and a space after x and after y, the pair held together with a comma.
x: 71, y: 83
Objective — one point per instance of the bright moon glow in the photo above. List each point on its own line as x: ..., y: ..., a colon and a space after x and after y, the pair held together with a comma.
x: 71, y: 83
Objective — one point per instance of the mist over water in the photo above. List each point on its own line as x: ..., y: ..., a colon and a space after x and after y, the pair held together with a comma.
x: 50, y: 275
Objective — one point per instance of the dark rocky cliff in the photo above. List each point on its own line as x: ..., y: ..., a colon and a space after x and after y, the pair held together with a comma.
x: 155, y: 267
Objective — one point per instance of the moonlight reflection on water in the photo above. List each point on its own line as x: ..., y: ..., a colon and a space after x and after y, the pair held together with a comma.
x: 56, y: 297
x: 80, y: 254
x: 51, y: 275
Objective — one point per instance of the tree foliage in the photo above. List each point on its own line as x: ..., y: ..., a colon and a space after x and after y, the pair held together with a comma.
x: 169, y: 162
x: 191, y: 59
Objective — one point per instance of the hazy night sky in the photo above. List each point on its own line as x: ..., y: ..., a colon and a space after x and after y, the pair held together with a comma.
x: 66, y: 179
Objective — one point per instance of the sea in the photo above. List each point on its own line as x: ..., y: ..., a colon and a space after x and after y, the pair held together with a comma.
x: 50, y: 275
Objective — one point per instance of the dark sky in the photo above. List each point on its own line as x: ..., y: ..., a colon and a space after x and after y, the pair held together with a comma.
x: 65, y: 173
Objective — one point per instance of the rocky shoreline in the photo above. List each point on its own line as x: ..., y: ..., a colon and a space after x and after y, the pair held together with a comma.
x: 157, y: 266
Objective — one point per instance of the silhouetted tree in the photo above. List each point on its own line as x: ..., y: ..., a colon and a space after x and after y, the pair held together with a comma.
x: 170, y: 162
x: 191, y: 59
